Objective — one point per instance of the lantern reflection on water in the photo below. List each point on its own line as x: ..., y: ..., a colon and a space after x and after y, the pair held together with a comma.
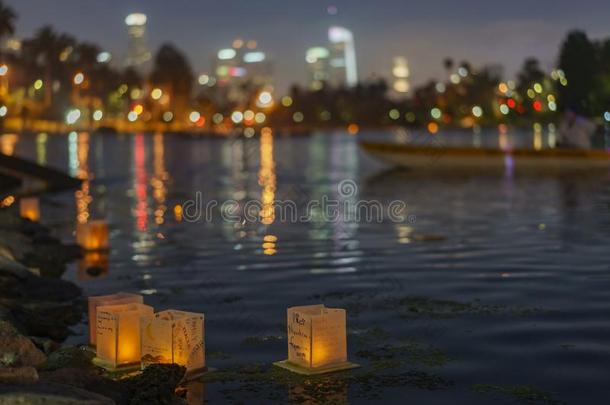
x: 30, y: 208
x: 93, y: 265
x: 174, y: 337
x: 92, y: 235
x: 105, y: 300
x: 317, y: 340
x: 118, y: 335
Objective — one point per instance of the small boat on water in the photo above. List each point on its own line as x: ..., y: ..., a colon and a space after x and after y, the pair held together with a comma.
x: 452, y: 157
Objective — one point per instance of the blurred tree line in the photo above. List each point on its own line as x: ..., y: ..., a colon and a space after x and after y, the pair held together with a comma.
x: 44, y: 83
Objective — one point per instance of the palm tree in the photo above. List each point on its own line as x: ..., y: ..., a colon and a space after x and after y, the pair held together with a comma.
x: 7, y: 21
x: 448, y: 65
x: 46, y: 49
x: 172, y: 71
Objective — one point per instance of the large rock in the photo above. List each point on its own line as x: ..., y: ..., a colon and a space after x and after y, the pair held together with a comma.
x: 72, y: 366
x: 39, y: 306
x: 9, y: 266
x: 15, y: 242
x: 17, y: 350
x: 46, y: 319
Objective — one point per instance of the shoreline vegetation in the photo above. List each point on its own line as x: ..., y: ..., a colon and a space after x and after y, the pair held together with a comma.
x: 55, y: 82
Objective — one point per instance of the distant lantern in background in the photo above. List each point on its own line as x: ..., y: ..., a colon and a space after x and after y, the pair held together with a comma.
x: 174, y: 337
x: 30, y: 208
x: 317, y: 340
x: 118, y: 335
x: 92, y: 235
x: 105, y: 300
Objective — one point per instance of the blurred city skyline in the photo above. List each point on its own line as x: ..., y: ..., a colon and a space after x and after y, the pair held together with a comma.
x: 474, y: 30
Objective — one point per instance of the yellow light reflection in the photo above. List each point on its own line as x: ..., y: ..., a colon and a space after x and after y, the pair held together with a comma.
x: 160, y: 177
x: 266, y: 177
x: 41, y: 148
x: 83, y: 196
x: 8, y: 143
x: 538, y: 139
x: 268, y: 181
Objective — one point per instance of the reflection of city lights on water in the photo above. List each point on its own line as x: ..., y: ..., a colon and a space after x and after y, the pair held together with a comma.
x: 79, y: 165
x: 141, y: 209
x: 8, y: 142
x: 267, y: 177
x: 160, y: 178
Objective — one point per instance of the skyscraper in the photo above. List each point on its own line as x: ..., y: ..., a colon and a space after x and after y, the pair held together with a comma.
x: 138, y: 55
x: 242, y: 70
x: 317, y: 60
x: 343, y: 67
x: 400, y: 77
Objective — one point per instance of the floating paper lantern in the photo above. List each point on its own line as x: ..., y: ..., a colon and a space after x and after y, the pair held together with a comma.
x: 93, y: 265
x: 105, y: 300
x: 30, y: 208
x: 118, y: 335
x: 317, y: 340
x: 174, y: 337
x: 92, y: 235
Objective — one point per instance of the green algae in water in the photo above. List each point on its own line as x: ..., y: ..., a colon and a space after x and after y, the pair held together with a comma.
x: 523, y: 393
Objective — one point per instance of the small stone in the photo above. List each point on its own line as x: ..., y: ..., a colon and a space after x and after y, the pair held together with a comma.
x: 49, y: 394
x: 16, y: 349
x: 19, y: 375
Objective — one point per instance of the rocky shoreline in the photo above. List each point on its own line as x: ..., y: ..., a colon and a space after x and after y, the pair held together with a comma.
x: 37, y: 309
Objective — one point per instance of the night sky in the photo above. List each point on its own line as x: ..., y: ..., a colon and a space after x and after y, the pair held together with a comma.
x: 480, y: 31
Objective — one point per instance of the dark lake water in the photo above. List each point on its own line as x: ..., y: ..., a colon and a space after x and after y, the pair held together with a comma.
x: 494, y: 279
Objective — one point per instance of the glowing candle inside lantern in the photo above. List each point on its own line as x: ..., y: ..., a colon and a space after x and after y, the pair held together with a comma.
x: 118, y: 334
x: 317, y: 340
x: 174, y: 337
x: 30, y: 208
x: 105, y: 300
x: 92, y: 235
